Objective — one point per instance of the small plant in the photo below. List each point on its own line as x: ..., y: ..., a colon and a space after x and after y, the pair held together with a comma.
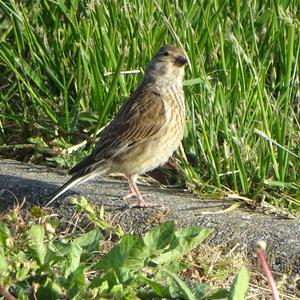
x: 36, y: 262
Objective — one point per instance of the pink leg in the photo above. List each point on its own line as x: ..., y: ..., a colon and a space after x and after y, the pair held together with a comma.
x: 131, y: 191
x: 135, y: 191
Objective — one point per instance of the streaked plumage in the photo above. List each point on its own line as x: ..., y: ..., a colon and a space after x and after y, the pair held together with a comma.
x: 147, y: 129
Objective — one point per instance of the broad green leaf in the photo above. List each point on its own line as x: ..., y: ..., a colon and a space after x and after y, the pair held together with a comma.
x: 114, y: 277
x: 55, y: 254
x: 89, y: 240
x: 129, y: 253
x: 104, y: 287
x: 186, y: 292
x: 186, y: 240
x: 108, y: 278
x: 216, y: 294
x: 117, y: 291
x: 3, y: 262
x: 240, y: 284
x: 22, y: 271
x: 89, y: 210
x: 49, y: 290
x: 158, y: 289
x: 175, y: 266
x: 77, y: 281
x: 36, y: 243
x: 159, y: 237
x: 73, y: 259
x: 4, y: 234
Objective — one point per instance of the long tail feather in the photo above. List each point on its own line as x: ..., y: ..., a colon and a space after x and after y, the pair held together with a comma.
x: 69, y: 184
x: 75, y: 180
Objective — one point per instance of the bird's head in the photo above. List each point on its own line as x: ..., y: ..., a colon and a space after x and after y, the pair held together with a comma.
x: 167, y: 66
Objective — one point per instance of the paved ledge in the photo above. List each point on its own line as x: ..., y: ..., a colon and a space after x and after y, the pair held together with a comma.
x: 240, y: 226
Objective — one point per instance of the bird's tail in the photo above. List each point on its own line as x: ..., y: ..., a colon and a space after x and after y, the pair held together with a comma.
x: 75, y: 180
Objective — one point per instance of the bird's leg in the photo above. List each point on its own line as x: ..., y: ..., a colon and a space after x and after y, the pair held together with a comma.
x: 135, y: 191
x: 129, y: 195
x: 132, y: 192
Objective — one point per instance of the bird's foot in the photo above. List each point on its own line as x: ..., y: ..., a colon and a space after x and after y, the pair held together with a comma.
x: 133, y: 195
x: 143, y: 204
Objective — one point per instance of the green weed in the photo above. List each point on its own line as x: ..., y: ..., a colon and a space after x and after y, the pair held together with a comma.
x: 37, y: 261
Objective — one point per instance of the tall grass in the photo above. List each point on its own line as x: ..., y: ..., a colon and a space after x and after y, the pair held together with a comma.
x: 242, y: 88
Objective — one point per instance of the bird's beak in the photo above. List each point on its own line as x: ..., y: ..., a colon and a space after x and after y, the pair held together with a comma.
x: 180, y: 61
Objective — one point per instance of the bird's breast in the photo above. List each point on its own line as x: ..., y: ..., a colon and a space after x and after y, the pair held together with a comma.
x: 156, y: 150
x: 173, y: 99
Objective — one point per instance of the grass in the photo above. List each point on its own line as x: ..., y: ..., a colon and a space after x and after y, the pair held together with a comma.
x: 60, y: 81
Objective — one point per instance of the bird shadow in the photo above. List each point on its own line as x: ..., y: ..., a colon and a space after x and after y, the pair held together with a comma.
x: 14, y: 189
x: 109, y: 192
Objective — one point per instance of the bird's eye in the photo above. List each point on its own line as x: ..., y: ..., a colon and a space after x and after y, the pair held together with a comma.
x: 166, y: 53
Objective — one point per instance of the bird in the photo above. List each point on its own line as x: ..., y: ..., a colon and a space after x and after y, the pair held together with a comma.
x: 146, y: 130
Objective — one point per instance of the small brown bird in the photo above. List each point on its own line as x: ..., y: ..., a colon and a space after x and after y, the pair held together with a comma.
x: 145, y: 132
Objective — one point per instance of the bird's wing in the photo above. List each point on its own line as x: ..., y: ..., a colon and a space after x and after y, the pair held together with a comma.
x: 139, y: 119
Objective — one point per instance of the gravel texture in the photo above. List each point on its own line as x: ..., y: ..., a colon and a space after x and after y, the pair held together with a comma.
x: 239, y: 228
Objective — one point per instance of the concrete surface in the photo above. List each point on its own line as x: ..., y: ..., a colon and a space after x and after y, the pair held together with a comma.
x: 240, y: 227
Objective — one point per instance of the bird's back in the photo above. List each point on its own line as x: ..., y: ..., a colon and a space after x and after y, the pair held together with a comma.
x: 145, y: 132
